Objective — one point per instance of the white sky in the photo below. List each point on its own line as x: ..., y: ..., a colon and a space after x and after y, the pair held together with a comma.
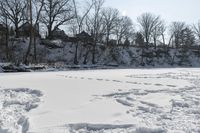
x: 170, y: 10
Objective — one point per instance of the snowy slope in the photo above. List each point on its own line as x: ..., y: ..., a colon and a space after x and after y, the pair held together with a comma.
x: 64, y: 54
x: 117, y: 101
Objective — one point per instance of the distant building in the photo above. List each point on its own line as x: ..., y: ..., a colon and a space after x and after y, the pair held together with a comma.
x: 24, y: 30
x: 59, y: 34
x: 84, y: 37
x: 112, y: 42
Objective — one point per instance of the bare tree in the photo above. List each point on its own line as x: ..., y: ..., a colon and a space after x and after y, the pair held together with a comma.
x: 157, y: 32
x: 5, y: 22
x: 95, y: 25
x: 123, y: 29
x: 35, y: 8
x: 57, y: 13
x: 176, y: 29
x: 110, y: 17
x: 81, y: 14
x: 148, y: 22
x: 162, y: 30
x: 187, y: 38
x: 196, y: 28
x: 79, y: 21
x: 29, y: 7
x: 14, y: 10
x: 38, y: 6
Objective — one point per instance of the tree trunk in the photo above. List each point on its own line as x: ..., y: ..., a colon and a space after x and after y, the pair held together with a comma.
x: 86, y: 56
x: 49, y: 32
x: 147, y: 42
x: 35, y: 48
x: 107, y: 38
x: 76, y: 55
x: 155, y: 45
x: 31, y: 34
x: 170, y: 42
x: 7, y: 37
x: 16, y: 30
x: 163, y: 38
x: 93, y: 54
x: 94, y: 51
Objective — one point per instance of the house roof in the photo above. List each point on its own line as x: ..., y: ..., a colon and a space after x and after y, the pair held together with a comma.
x: 83, y: 34
x: 24, y: 25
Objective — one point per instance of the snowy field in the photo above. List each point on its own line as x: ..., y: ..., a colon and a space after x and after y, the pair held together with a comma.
x: 101, y: 101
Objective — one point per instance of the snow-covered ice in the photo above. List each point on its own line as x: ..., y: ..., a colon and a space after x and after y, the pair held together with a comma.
x: 103, y: 101
x: 14, y: 105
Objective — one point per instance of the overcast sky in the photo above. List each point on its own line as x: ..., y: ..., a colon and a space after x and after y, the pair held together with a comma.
x: 170, y: 10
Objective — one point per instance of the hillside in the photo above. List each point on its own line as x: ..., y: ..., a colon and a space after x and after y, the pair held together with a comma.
x: 63, y: 54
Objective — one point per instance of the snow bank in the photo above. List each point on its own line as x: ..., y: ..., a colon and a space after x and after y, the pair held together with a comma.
x: 53, y: 51
x: 14, y: 105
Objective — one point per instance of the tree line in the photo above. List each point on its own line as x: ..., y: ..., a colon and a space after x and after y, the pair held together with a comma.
x: 106, y: 25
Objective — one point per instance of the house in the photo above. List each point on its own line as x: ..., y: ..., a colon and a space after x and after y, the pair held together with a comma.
x: 24, y: 30
x: 112, y: 42
x: 59, y: 34
x: 84, y: 37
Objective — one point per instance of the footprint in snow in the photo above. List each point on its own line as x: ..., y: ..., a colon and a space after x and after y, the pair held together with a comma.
x: 171, y: 85
x: 158, y: 84
x: 147, y: 84
x: 124, y: 102
x: 117, y: 81
x: 129, y: 82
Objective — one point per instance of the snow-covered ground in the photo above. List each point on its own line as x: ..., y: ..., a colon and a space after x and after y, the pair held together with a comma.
x: 101, y: 101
